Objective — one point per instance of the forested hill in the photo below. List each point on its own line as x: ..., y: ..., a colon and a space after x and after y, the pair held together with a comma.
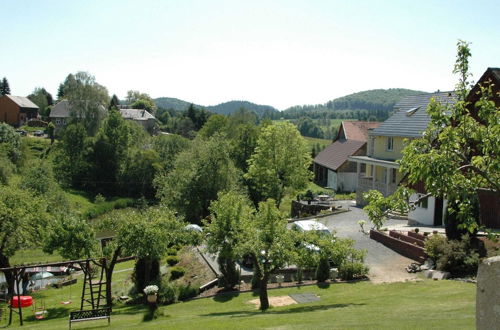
x: 227, y: 108
x: 381, y: 100
x: 172, y: 103
x: 375, y: 99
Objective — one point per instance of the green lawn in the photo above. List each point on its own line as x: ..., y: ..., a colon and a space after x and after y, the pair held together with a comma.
x: 363, y: 305
x: 314, y: 141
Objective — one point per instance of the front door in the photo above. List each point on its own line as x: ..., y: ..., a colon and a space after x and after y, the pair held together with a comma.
x: 438, y: 212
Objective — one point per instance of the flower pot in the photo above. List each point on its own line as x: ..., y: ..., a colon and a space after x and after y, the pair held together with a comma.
x: 152, y: 298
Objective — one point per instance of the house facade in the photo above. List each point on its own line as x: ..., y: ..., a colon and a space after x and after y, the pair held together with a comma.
x: 385, y: 145
x: 141, y: 117
x: 17, y: 110
x: 331, y: 166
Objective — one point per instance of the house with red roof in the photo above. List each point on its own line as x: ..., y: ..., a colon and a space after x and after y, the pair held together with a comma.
x: 17, y: 110
x: 331, y: 166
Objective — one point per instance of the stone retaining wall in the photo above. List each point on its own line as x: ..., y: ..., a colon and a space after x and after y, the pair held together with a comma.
x: 488, y: 294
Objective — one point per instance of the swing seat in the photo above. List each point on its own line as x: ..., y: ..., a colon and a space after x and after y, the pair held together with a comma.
x: 40, y: 315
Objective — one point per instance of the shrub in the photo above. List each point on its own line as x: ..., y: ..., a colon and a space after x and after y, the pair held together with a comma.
x: 171, y: 251
x: 455, y: 256
x: 323, y: 270
x: 140, y: 273
x: 351, y: 270
x: 172, y: 260
x: 187, y: 291
x: 177, y: 272
x: 169, y: 293
x: 230, y: 275
x: 434, y: 245
x: 99, y: 199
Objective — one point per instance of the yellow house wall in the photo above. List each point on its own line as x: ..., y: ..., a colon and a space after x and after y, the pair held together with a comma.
x: 380, y: 148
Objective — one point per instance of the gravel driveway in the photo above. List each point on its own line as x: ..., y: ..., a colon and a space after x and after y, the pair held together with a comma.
x: 385, y: 264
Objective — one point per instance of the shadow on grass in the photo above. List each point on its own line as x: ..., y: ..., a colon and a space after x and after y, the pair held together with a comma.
x: 291, y: 310
x: 323, y: 285
x: 52, y: 313
x: 225, y: 296
x: 129, y: 309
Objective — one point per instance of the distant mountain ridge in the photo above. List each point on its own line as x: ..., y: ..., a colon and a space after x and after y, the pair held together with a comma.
x: 370, y: 100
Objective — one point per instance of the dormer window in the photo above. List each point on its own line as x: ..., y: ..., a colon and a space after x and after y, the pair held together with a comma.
x: 411, y: 111
x: 390, y: 143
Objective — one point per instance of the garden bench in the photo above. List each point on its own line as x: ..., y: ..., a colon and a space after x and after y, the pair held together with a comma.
x: 90, y: 315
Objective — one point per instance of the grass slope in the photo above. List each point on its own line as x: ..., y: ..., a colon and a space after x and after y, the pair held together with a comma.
x: 362, y: 305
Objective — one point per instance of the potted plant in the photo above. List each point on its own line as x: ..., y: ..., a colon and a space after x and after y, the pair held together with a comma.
x: 151, y: 292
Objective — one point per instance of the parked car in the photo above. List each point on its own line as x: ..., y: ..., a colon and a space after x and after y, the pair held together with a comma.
x: 21, y: 132
x: 38, y: 133
x: 311, y: 225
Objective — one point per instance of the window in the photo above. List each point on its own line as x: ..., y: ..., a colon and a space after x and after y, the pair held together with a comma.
x: 424, y: 203
x: 390, y: 143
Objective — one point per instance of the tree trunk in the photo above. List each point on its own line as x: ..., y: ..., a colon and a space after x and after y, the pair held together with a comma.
x: 9, y: 278
x: 109, y: 267
x: 147, y: 271
x: 264, y: 300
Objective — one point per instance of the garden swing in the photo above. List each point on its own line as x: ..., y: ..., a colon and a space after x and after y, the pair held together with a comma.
x: 39, y: 306
x: 67, y: 302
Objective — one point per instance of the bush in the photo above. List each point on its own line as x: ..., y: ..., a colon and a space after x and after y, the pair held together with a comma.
x: 187, y: 291
x: 455, y: 256
x: 230, y: 275
x: 351, y: 270
x: 177, y: 272
x: 140, y: 273
x: 169, y: 293
x: 172, y: 252
x: 323, y: 270
x: 172, y: 260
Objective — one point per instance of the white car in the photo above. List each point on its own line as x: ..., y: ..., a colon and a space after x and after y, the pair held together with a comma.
x: 311, y: 225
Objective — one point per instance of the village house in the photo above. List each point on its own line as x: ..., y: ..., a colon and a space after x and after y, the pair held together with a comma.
x: 17, y: 110
x: 378, y: 170
x: 331, y: 166
x: 61, y: 113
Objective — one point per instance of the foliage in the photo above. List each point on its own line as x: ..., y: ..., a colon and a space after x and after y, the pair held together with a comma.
x: 71, y: 237
x: 458, y: 257
x: 228, y: 215
x: 101, y: 208
x: 323, y: 270
x: 379, y: 207
x: 88, y: 100
x: 10, y: 142
x: 172, y: 260
x: 199, y: 174
x: 269, y: 243
x: 38, y: 177
x: 146, y: 104
x: 352, y: 269
x: 177, y: 272
x: 215, y: 124
x: 458, y: 153
x: 114, y: 103
x: 307, y: 127
x: 281, y: 160
x: 187, y: 291
x: 42, y: 99
x: 168, y: 147
x: 146, y: 271
x: 4, y: 86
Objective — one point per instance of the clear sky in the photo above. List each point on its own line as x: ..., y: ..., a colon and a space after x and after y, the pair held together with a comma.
x: 280, y: 53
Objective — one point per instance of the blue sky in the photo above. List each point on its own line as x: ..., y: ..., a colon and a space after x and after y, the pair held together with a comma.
x: 280, y: 53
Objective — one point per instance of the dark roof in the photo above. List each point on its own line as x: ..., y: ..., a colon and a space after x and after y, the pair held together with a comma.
x: 358, y: 130
x: 410, y: 118
x: 336, y: 153
x: 22, y: 102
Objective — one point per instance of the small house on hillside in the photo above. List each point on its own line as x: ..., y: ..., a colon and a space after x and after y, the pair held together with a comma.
x: 61, y: 114
x: 332, y: 167
x: 140, y: 116
x: 17, y: 110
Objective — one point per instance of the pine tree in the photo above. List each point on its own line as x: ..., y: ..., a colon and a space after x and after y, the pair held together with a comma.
x: 60, y: 91
x: 4, y: 87
x: 114, y: 103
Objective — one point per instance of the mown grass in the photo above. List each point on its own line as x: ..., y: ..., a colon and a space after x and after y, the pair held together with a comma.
x: 363, y: 305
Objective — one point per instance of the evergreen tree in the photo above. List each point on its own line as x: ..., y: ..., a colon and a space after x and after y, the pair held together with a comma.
x: 4, y: 87
x: 114, y: 103
x: 60, y: 91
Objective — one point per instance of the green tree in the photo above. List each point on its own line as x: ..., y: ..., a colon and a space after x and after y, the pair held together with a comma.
x: 228, y: 214
x: 199, y: 174
x: 10, y: 142
x: 23, y: 221
x: 269, y: 243
x: 51, y: 131
x: 4, y: 87
x: 114, y: 103
x: 38, y: 178
x: 281, y: 160
x: 88, y: 100
x: 168, y: 147
x: 42, y: 98
x: 149, y: 234
x: 215, y: 124
x: 146, y: 104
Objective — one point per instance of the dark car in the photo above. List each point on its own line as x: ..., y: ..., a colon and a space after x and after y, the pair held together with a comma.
x: 38, y: 133
x: 21, y: 132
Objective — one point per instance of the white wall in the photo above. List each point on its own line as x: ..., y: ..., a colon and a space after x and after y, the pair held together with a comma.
x: 424, y: 216
x: 347, y: 181
x: 332, y: 180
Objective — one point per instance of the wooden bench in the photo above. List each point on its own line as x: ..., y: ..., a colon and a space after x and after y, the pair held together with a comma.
x: 90, y: 315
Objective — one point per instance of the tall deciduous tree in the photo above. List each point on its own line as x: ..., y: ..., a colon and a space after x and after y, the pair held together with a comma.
x: 88, y: 100
x: 281, y: 160
x: 228, y: 216
x: 199, y: 174
x: 22, y: 223
x: 269, y: 243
